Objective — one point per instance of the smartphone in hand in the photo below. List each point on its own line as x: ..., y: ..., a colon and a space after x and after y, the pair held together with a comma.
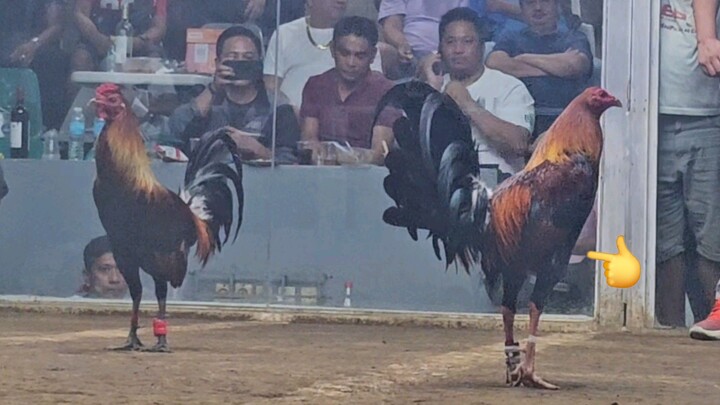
x: 245, y: 69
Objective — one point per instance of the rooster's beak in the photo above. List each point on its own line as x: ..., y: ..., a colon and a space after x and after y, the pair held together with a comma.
x: 617, y: 103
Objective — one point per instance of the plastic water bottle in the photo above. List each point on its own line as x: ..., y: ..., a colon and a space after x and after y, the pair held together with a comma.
x: 51, y: 151
x: 98, y: 126
x: 76, y: 150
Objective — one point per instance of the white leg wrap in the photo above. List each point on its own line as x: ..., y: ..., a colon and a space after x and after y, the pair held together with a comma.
x: 532, y: 339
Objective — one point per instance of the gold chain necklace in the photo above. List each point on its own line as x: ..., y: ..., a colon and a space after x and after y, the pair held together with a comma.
x: 312, y: 41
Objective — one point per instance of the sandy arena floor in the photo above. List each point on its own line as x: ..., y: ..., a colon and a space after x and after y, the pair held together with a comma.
x: 62, y: 359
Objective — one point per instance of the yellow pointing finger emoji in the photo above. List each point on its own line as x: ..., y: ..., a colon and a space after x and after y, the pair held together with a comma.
x: 622, y: 270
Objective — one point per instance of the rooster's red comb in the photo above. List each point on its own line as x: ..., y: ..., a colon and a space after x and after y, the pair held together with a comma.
x: 107, y: 88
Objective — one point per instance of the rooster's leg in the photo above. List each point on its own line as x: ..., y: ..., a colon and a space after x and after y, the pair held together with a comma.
x: 526, y: 373
x: 512, y: 349
x: 159, y: 323
x: 132, y: 278
x: 511, y: 287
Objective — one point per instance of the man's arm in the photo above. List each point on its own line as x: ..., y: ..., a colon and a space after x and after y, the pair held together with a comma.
x: 708, y: 43
x: 500, y: 58
x: 501, y: 61
x: 87, y: 28
x: 392, y: 28
x: 571, y: 63
x: 501, y: 6
x: 506, y: 137
x: 310, y: 111
x: 157, y: 30
x: 273, y: 79
x: 185, y: 121
x: 382, y: 134
x: 248, y: 145
x: 55, y: 23
x: 391, y: 16
x: 382, y: 138
x: 311, y: 129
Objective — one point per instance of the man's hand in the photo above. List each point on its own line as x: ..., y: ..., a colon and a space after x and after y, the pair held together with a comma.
x: 247, y: 144
x: 223, y: 76
x: 709, y: 56
x: 426, y: 73
x: 460, y: 94
x: 24, y: 54
x: 405, y: 53
x: 254, y: 9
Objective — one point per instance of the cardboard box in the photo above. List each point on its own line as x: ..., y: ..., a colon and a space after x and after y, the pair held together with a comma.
x: 200, y: 54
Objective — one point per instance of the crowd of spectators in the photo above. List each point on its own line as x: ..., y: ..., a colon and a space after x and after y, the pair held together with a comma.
x: 325, y: 67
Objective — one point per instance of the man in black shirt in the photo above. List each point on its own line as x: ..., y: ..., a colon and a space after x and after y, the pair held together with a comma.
x: 238, y: 100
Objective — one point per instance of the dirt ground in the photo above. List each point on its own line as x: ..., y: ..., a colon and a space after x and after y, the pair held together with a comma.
x: 62, y: 359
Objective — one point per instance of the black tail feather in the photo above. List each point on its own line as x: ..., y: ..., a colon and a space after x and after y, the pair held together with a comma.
x: 434, y: 173
x: 206, y: 188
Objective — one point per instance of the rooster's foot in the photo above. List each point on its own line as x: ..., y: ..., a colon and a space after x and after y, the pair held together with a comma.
x: 133, y: 343
x: 522, y: 377
x: 160, y: 347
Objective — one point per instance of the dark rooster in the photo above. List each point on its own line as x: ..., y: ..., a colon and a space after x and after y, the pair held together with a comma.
x: 149, y: 226
x: 526, y: 227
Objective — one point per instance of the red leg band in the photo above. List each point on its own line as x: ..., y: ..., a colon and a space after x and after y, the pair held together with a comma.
x: 159, y: 327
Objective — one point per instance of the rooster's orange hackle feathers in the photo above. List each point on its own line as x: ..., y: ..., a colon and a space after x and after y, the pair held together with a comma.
x: 576, y: 130
x: 511, y: 206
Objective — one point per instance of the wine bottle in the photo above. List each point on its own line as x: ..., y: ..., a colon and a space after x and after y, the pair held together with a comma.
x: 19, y: 127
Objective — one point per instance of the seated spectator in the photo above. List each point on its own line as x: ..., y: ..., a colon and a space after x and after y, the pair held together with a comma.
x: 554, y: 65
x: 30, y: 33
x: 506, y: 17
x: 498, y: 105
x: 411, y: 26
x: 102, y: 278
x: 96, y: 21
x: 339, y: 104
x: 243, y: 105
x: 304, y: 49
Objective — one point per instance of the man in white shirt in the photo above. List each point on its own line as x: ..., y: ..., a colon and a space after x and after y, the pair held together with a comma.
x: 304, y: 49
x: 499, y: 106
x: 688, y: 184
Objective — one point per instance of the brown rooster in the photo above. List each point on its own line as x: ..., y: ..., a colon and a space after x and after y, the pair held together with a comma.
x: 149, y: 226
x: 526, y: 227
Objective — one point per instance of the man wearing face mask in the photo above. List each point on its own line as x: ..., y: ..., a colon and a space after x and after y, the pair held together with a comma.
x: 237, y: 99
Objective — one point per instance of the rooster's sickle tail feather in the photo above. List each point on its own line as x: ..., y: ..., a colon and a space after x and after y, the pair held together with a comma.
x: 434, y: 173
x: 206, y: 191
